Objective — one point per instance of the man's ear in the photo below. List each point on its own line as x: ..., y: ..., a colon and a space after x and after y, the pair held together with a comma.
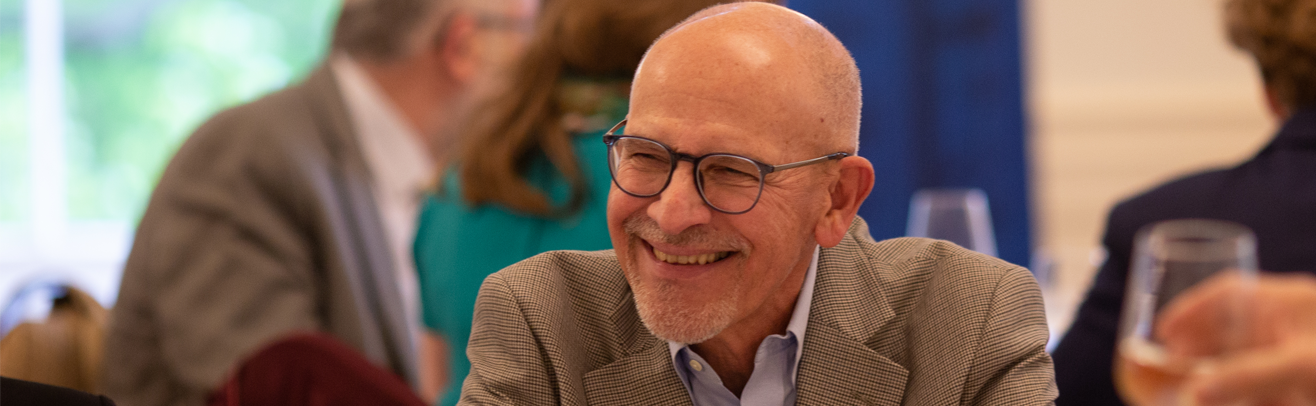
x: 847, y: 194
x: 458, y: 49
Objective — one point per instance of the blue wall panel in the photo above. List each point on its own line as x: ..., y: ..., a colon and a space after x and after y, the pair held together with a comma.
x: 943, y: 105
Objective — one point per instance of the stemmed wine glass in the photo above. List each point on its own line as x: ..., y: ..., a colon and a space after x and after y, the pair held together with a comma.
x: 1171, y: 257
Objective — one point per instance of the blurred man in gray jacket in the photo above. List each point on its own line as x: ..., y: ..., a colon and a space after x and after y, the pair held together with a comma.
x: 294, y: 212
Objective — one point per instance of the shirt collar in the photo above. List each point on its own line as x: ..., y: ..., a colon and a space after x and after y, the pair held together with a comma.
x: 399, y: 163
x: 799, y: 317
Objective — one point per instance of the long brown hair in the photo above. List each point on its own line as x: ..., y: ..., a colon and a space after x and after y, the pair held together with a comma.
x: 595, y: 38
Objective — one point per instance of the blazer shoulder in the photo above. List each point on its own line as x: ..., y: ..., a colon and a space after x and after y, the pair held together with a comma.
x: 910, y: 268
x: 911, y: 253
x: 277, y: 118
x: 558, y: 267
x: 588, y: 281
x: 577, y: 304
x: 1174, y: 195
x: 273, y: 143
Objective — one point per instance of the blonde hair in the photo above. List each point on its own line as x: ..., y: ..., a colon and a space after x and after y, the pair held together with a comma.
x: 1281, y: 36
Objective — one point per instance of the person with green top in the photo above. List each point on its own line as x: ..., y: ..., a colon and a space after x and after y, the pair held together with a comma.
x: 531, y: 175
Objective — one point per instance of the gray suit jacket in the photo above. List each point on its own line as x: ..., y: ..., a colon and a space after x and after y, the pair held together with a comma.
x: 262, y: 225
x: 905, y: 321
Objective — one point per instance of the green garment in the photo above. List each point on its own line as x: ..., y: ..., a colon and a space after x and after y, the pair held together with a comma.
x: 458, y: 245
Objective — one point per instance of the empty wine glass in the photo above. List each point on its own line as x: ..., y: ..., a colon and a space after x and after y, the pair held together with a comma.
x: 960, y: 216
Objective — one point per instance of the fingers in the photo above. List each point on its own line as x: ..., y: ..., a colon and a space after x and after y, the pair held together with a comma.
x: 1261, y: 311
x: 1275, y: 375
x: 1276, y: 364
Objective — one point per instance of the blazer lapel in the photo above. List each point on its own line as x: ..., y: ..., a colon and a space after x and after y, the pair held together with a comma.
x: 841, y: 363
x: 646, y: 375
x: 372, y: 266
x: 642, y: 365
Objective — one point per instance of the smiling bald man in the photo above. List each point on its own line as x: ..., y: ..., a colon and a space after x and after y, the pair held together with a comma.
x: 740, y: 273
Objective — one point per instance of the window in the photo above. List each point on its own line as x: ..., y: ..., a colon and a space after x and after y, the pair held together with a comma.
x: 96, y: 95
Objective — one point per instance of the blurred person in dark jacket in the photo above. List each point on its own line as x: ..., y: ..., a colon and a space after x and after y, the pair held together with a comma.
x: 295, y: 212
x: 1272, y: 193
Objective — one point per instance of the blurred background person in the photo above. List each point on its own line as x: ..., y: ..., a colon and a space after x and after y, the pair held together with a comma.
x: 532, y: 175
x: 1272, y: 193
x: 295, y: 212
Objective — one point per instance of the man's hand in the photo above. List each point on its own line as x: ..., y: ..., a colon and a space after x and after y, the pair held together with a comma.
x: 1275, y: 363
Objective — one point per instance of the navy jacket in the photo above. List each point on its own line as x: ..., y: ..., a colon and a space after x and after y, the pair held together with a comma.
x: 1274, y: 193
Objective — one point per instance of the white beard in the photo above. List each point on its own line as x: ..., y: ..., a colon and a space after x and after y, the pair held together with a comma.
x: 667, y: 309
x: 670, y: 315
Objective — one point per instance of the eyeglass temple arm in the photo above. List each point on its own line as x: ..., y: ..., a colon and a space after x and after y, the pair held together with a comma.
x: 827, y: 157
x: 614, y: 129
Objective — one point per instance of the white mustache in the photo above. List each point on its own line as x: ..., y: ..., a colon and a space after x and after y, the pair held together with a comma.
x: 640, y: 225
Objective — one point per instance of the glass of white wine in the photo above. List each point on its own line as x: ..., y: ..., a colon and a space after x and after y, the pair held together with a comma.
x: 1169, y: 258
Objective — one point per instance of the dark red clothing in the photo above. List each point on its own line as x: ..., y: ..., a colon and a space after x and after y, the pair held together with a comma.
x: 312, y: 370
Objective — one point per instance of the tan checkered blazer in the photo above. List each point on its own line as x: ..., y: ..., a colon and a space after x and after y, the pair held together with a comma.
x: 905, y: 321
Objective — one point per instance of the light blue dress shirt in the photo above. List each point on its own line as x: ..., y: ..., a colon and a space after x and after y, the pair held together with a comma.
x: 776, y: 362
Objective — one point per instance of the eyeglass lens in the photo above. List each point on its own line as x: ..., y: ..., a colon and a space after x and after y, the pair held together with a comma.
x: 643, y: 168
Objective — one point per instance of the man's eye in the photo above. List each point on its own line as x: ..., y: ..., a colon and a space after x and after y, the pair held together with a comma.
x: 647, y: 159
x: 727, y: 174
x: 726, y: 171
x: 645, y: 156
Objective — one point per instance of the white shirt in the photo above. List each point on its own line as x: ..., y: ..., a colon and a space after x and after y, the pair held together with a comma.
x: 776, y: 363
x: 400, y: 168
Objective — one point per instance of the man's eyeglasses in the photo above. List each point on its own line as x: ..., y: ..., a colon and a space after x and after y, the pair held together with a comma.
x: 729, y: 183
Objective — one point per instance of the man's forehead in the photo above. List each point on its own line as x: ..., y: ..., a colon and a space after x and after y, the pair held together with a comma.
x: 696, y: 137
x: 748, y: 66
x: 685, y: 98
x: 750, y: 54
x: 736, y: 70
x: 722, y: 40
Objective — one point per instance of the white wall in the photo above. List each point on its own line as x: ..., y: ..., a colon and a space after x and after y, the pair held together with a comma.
x: 1123, y: 95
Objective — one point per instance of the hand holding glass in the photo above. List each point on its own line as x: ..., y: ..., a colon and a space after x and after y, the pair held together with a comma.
x: 1169, y: 258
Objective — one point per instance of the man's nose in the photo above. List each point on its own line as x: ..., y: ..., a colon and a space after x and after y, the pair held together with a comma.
x: 679, y: 206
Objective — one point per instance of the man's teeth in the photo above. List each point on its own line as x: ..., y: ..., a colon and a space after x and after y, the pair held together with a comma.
x: 689, y: 259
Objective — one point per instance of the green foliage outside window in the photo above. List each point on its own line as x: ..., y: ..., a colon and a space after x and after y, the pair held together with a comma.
x: 140, y: 76
x: 13, y: 117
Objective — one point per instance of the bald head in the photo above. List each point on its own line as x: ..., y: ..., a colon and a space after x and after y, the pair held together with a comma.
x: 761, y: 58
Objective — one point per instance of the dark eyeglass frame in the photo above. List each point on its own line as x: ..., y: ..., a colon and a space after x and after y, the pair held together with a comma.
x: 611, y: 139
